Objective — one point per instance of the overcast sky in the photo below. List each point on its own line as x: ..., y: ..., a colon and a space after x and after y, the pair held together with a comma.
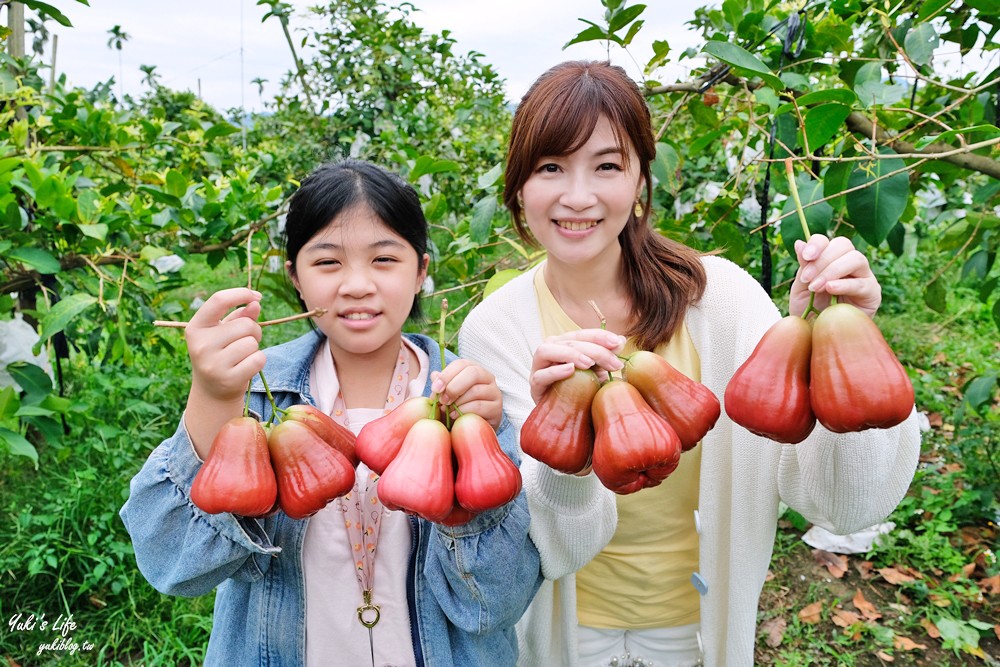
x: 196, y: 45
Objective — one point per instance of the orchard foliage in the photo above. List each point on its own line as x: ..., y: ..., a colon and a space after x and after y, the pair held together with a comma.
x: 887, y: 109
x: 889, y: 146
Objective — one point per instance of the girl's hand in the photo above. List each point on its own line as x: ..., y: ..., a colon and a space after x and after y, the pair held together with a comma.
x: 559, y: 356
x: 471, y: 388
x: 225, y: 349
x: 833, y: 267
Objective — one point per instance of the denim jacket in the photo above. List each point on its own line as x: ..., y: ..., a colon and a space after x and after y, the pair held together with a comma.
x: 466, y: 585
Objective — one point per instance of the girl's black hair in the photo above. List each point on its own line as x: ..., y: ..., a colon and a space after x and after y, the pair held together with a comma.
x: 336, y: 187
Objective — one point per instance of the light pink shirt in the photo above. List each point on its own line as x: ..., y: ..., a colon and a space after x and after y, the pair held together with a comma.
x: 333, y: 634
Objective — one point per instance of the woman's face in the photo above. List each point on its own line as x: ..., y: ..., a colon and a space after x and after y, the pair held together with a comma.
x: 365, y: 275
x: 577, y: 205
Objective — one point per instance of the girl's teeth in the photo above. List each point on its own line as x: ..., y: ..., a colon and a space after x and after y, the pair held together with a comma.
x: 359, y: 316
x: 576, y: 226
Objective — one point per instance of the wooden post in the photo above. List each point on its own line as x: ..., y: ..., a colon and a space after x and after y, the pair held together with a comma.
x: 15, y: 21
x: 52, y: 72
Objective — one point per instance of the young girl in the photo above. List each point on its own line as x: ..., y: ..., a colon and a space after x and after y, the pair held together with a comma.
x: 670, y: 575
x: 289, y: 592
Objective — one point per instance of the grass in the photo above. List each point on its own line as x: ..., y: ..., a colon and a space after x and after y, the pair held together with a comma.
x: 63, y: 550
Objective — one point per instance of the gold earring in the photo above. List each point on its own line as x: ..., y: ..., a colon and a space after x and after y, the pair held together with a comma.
x: 637, y: 209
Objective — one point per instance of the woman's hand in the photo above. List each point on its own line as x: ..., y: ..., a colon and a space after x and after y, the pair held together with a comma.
x: 833, y: 267
x: 559, y: 356
x: 470, y: 388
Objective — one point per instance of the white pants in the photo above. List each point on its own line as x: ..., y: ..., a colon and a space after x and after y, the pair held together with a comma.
x: 656, y: 647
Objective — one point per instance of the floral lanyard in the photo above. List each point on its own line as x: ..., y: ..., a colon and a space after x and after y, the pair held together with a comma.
x: 363, y: 524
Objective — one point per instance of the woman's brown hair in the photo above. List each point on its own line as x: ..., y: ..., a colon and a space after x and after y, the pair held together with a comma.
x: 556, y: 117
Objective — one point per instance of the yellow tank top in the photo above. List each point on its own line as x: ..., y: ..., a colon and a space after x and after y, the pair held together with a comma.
x: 642, y: 578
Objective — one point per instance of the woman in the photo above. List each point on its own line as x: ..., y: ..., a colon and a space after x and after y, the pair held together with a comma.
x: 670, y: 575
x: 295, y: 591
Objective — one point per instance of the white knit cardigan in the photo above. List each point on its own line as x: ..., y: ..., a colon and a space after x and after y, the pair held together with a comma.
x: 842, y: 482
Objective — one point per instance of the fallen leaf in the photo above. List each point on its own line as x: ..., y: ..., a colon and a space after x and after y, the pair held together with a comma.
x: 835, y: 563
x: 906, y: 569
x: 906, y: 644
x: 865, y: 569
x: 900, y: 609
x: 866, y: 608
x: 953, y: 467
x: 775, y: 629
x: 990, y: 585
x: 939, y: 358
x: 932, y: 631
x: 968, y: 569
x: 882, y: 655
x: 996, y: 630
x: 845, y: 618
x: 811, y: 613
x: 894, y: 576
x: 939, y: 600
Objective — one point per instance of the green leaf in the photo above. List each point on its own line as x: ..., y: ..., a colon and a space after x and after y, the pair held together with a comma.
x: 426, y: 164
x: 837, y: 95
x: 34, y: 411
x: 48, y: 10
x: 920, y: 43
x: 87, y: 205
x: 220, y: 130
x: 10, y: 163
x: 742, y: 59
x: 936, y: 297
x: 8, y: 84
x: 632, y: 31
x: 977, y: 265
x: 769, y: 98
x: 665, y: 165
x: 18, y: 446
x: 624, y: 17
x: 9, y: 402
x: 794, y: 80
x: 996, y: 313
x: 871, y: 90
x: 176, y: 183
x: 161, y: 197
x: 592, y: 34
x: 98, y: 231
x: 33, y: 380
x: 980, y: 391
x: 732, y: 241
x: 699, y: 144
x: 62, y: 313
x: 38, y: 259
x: 491, y: 177
x: 876, y: 209
x: 818, y: 216
x: 931, y: 8
x: 984, y: 132
x: 482, y: 218
x: 435, y: 209
x: 661, y: 49
x: 498, y: 280
x: 986, y: 289
x: 702, y: 113
x: 897, y: 239
x: 734, y: 10
x: 823, y: 123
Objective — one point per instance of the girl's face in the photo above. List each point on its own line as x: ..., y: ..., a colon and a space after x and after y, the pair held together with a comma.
x: 577, y: 205
x: 365, y: 275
